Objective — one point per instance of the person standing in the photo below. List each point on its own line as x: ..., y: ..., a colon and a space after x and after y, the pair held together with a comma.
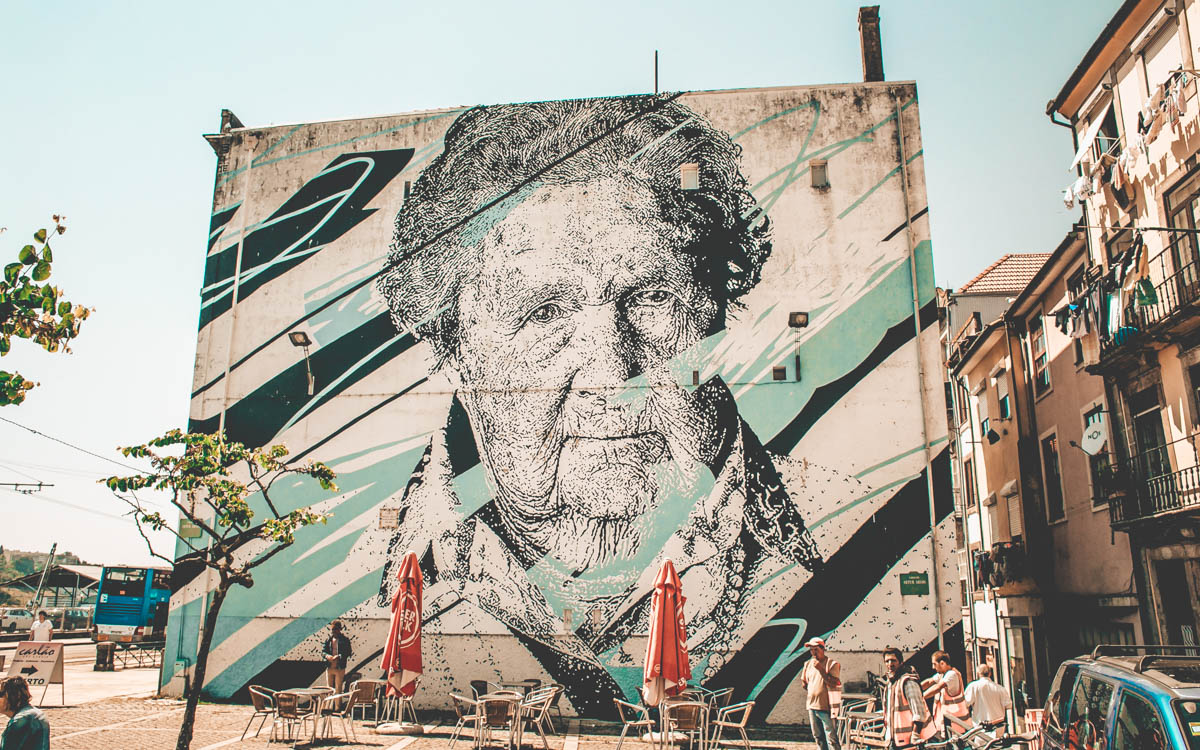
x: 946, y: 689
x: 906, y: 717
x: 27, y: 728
x: 336, y: 650
x: 989, y: 702
x: 42, y: 630
x: 822, y: 676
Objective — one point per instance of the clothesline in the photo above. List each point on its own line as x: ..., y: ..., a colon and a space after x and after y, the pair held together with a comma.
x: 1142, y: 229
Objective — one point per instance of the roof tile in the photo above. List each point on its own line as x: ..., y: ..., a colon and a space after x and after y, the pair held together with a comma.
x: 1009, y: 275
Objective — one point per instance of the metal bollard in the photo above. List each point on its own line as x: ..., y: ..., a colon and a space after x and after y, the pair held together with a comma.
x: 104, y: 657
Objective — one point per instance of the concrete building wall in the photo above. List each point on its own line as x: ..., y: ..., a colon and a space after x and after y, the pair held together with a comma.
x: 586, y: 368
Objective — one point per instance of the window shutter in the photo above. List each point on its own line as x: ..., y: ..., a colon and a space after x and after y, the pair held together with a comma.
x: 1014, y: 515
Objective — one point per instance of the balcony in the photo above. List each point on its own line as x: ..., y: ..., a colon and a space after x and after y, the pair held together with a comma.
x: 1160, y: 481
x: 1171, y: 309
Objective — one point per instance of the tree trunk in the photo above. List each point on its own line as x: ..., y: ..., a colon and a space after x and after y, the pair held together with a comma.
x: 197, y: 684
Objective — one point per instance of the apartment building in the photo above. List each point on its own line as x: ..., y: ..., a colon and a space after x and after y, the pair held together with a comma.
x: 1132, y: 109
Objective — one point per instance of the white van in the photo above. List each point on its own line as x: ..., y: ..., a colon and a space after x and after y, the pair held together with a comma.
x: 13, y: 619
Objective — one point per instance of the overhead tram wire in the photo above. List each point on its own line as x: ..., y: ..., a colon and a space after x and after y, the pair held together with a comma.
x: 81, y: 450
x: 83, y: 508
x: 22, y: 473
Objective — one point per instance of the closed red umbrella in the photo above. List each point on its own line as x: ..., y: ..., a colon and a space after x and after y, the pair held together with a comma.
x: 402, y: 652
x: 667, y: 669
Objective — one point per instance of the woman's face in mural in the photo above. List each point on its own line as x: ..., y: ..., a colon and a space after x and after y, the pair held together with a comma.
x: 566, y: 333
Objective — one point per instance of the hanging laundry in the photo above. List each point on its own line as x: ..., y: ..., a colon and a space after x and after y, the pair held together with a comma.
x: 1146, y: 295
x: 1068, y: 197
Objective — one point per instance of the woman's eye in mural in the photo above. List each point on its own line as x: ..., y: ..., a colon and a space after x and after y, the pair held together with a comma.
x: 651, y: 298
x: 547, y: 313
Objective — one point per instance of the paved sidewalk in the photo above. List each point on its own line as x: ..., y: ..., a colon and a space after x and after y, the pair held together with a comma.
x: 153, y: 724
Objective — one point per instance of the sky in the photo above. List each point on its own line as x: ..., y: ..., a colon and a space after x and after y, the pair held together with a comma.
x: 105, y: 104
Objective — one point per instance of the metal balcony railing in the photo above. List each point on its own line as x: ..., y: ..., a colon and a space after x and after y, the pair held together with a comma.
x: 1175, y: 276
x: 1163, y: 479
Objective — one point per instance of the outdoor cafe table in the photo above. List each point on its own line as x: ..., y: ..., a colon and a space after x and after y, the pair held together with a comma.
x: 308, y: 696
x: 515, y: 700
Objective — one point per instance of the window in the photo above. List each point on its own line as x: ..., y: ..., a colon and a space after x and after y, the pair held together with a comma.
x: 1138, y: 725
x: 1041, y: 361
x: 124, y: 582
x: 1060, y: 701
x: 1118, y: 244
x: 1087, y: 721
x: 1151, y: 459
x: 1183, y: 212
x: 960, y: 406
x: 970, y: 491
x: 1107, y: 138
x: 1005, y: 406
x: 981, y: 401
x: 1194, y: 376
x: 1054, y: 495
x: 1189, y: 716
x: 162, y: 580
x: 1098, y: 465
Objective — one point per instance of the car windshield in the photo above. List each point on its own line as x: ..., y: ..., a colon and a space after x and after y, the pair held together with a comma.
x: 1189, y: 721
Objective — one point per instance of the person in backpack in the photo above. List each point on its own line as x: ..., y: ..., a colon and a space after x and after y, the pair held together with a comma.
x: 906, y: 718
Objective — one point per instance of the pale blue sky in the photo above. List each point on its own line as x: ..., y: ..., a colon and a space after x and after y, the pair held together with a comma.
x: 105, y: 103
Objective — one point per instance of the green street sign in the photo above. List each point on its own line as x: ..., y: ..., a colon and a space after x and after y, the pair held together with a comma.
x: 189, y: 530
x: 914, y: 584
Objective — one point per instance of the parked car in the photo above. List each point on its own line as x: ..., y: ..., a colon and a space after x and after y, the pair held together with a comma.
x: 13, y: 619
x: 1126, y: 698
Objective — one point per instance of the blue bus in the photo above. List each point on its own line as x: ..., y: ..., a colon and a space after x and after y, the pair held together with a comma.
x: 132, y: 604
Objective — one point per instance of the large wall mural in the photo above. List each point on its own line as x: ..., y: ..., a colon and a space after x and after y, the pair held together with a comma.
x: 552, y: 350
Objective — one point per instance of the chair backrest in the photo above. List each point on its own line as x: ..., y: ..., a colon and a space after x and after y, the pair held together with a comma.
x: 286, y: 705
x: 464, y: 707
x: 720, y: 698
x: 537, y: 704
x: 687, y: 715
x: 338, y: 704
x: 628, y: 712
x: 558, y: 694
x: 364, y: 692
x: 496, y: 712
x: 261, y: 697
x: 737, y: 714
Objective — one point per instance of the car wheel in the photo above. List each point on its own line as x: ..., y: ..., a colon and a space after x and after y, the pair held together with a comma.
x: 12, y: 626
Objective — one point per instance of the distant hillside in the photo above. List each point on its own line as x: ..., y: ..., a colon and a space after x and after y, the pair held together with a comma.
x: 15, y: 563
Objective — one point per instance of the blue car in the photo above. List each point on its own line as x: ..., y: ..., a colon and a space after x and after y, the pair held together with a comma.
x: 1126, y: 698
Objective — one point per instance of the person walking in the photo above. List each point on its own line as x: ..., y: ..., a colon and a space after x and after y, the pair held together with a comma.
x: 822, y: 676
x: 906, y: 718
x: 42, y: 630
x: 946, y: 689
x: 336, y: 650
x: 988, y: 701
x: 27, y: 728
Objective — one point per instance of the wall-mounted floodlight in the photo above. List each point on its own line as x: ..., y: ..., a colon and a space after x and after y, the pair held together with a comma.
x: 301, y: 339
x: 798, y: 320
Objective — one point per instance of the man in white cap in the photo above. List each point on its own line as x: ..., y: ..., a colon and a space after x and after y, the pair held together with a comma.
x: 822, y: 676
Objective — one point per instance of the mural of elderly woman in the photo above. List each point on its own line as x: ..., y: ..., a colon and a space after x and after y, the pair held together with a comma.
x: 567, y: 281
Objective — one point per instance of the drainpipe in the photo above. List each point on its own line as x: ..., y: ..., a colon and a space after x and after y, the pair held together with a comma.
x: 916, y: 308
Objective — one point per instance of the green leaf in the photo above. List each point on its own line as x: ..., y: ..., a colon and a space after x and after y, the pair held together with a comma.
x: 47, y: 255
x: 41, y: 271
x: 64, y: 307
x: 11, y: 271
x: 40, y: 235
x: 28, y: 255
x: 4, y: 345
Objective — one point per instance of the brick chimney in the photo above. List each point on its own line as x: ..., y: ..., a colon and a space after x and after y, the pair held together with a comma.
x: 872, y: 48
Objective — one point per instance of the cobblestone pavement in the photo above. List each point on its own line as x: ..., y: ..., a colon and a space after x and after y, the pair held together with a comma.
x: 151, y: 724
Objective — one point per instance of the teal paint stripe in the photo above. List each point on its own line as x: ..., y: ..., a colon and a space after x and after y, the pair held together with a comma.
x: 256, y: 164
x: 877, y: 185
x: 276, y: 144
x: 897, y: 457
x: 279, y: 643
x: 183, y: 634
x: 777, y: 115
x: 851, y: 505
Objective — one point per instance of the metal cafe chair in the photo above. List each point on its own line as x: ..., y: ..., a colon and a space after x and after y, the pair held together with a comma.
x: 632, y: 717
x: 468, y: 715
x: 689, y: 718
x: 263, y: 700
x: 554, y: 704
x: 719, y: 698
x: 733, y: 717
x: 534, y: 712
x: 497, y: 712
x: 339, y: 706
x: 289, y: 720
x: 364, y: 696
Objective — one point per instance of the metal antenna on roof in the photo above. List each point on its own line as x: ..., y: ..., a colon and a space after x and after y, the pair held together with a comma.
x: 656, y: 71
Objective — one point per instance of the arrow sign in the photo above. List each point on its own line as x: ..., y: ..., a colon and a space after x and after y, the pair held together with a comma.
x: 41, y: 664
